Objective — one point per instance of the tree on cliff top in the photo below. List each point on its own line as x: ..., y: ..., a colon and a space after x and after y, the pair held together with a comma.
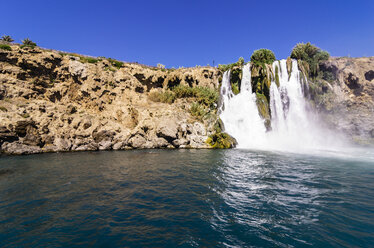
x: 28, y: 43
x: 7, y: 38
x: 312, y: 54
x: 262, y: 56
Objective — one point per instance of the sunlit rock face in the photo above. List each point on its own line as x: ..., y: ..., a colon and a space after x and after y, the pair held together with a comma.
x: 348, y: 101
x: 66, y: 102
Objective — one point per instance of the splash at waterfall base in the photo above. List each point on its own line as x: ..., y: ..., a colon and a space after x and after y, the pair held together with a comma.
x: 271, y: 110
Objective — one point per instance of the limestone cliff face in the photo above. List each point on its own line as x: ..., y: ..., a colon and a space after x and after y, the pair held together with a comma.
x: 54, y: 102
x: 50, y: 101
x: 345, y: 98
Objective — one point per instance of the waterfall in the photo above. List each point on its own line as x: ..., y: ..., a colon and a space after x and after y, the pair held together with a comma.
x: 294, y: 126
x: 239, y: 113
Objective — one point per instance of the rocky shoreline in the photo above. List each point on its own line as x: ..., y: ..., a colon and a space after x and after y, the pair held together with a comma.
x: 52, y: 101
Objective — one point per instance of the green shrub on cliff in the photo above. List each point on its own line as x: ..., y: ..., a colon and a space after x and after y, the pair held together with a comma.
x: 183, y: 91
x: 115, y: 63
x: 262, y: 56
x: 28, y: 43
x: 160, y: 66
x: 206, y: 96
x: 311, y: 54
x: 164, y: 97
x: 203, y: 95
x: 226, y: 67
x: 276, y: 75
x: 264, y: 109
x: 235, y: 80
x: 241, y: 61
x: 220, y: 141
x: 88, y: 60
x: 197, y: 110
x: 205, y: 99
x: 5, y: 47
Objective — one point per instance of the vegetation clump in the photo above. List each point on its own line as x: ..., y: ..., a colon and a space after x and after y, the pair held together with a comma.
x: 5, y: 47
x: 28, y: 43
x: 262, y: 74
x: 84, y: 59
x: 197, y: 110
x: 226, y: 67
x: 7, y: 38
x: 164, y: 97
x: 204, y: 95
x: 236, y: 74
x: 264, y: 109
x: 160, y: 66
x: 262, y: 56
x: 310, y: 54
x: 235, y: 80
x: 276, y: 76
x: 115, y: 63
x: 220, y: 139
x: 205, y: 98
x: 88, y: 60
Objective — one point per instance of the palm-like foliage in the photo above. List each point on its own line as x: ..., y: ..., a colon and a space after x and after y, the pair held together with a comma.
x: 7, y: 38
x: 28, y: 42
x: 262, y: 56
x: 310, y: 54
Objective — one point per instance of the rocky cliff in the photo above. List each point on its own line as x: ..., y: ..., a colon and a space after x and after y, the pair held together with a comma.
x: 345, y: 96
x: 51, y: 101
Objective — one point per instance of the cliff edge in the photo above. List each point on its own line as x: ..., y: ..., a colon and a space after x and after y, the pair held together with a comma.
x: 52, y: 101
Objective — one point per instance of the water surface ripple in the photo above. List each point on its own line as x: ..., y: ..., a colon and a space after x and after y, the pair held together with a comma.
x: 185, y: 198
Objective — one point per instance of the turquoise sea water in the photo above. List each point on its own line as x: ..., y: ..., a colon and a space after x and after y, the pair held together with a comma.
x: 186, y: 198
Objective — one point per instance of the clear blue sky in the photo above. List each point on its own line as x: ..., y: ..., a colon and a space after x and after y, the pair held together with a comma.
x: 191, y: 32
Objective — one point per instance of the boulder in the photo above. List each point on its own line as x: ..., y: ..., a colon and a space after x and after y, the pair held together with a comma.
x: 87, y: 147
x: 62, y: 144
x: 77, y: 69
x: 180, y: 142
x: 18, y: 148
x: 137, y: 141
x: 118, y: 145
x: 159, y: 143
x: 167, y: 130
x: 105, y: 145
x: 99, y: 136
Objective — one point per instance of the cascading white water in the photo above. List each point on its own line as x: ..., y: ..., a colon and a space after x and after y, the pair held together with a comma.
x: 294, y: 128
x: 239, y: 113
